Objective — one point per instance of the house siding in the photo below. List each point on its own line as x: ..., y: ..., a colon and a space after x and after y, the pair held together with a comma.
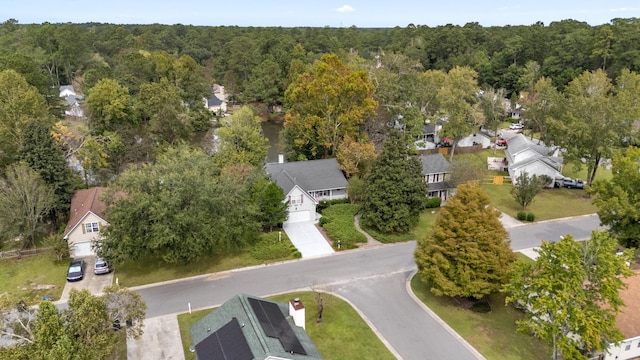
x: 79, y: 235
x: 620, y: 352
x: 300, y: 201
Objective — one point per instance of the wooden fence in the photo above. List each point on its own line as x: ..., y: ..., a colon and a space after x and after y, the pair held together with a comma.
x: 22, y: 253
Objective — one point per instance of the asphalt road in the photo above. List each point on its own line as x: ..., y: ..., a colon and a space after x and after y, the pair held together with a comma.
x: 373, y: 279
x: 530, y: 235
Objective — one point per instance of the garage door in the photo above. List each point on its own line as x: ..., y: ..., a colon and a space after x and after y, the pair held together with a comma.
x: 298, y: 216
x: 82, y: 249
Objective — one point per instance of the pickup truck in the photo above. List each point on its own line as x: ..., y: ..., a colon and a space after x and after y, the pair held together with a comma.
x: 570, y: 183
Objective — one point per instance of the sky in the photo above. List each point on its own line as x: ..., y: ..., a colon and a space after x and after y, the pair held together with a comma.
x: 342, y: 13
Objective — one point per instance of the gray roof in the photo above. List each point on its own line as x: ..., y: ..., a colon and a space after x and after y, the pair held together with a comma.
x: 67, y: 87
x: 214, y: 101
x: 438, y: 186
x: 310, y: 175
x: 261, y: 345
x: 434, y: 164
x: 520, y: 142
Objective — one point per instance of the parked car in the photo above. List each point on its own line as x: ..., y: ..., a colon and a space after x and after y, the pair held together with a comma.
x: 76, y: 270
x: 501, y: 142
x: 516, y: 126
x: 569, y: 183
x: 101, y: 267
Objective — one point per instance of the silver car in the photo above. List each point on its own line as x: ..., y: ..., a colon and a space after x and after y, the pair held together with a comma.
x: 101, y: 267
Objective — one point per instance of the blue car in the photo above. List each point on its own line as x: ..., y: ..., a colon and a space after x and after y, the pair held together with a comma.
x: 76, y: 270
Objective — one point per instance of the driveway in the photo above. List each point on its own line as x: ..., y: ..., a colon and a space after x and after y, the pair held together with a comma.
x: 94, y: 283
x: 160, y: 340
x: 306, y: 237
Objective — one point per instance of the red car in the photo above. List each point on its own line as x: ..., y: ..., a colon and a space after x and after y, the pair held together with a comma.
x: 501, y: 142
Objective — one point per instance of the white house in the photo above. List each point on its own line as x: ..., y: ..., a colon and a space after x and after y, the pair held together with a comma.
x: 72, y: 100
x: 524, y: 155
x: 478, y: 138
x: 217, y: 102
x: 85, y: 221
x: 305, y: 183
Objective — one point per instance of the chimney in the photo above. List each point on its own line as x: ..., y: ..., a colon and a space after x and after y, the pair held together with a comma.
x: 280, y: 158
x: 296, y: 311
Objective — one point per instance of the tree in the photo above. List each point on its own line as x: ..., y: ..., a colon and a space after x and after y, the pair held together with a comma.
x: 41, y: 153
x: 269, y: 198
x: 468, y: 252
x: 466, y: 170
x: 495, y: 113
x: 595, y: 122
x: 324, y: 105
x: 542, y: 106
x: 84, y: 330
x: 168, y: 210
x: 160, y: 105
x: 618, y: 199
x: 526, y: 188
x: 24, y: 200
x: 20, y: 103
x: 241, y: 139
x: 457, y: 98
x: 395, y: 190
x: 93, y: 157
x: 355, y: 155
x: 571, y: 294
x: 110, y: 107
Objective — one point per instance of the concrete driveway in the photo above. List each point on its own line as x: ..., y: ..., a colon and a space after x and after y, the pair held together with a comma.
x: 306, y: 237
x: 94, y: 283
x: 160, y: 340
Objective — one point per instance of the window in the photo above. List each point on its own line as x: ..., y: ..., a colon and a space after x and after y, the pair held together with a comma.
x: 91, y: 227
x: 295, y: 200
x: 627, y: 347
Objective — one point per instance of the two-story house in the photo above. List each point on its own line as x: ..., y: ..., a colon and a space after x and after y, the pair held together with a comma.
x: 86, y: 220
x: 436, y: 171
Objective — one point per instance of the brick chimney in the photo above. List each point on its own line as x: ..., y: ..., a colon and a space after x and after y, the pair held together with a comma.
x: 296, y: 311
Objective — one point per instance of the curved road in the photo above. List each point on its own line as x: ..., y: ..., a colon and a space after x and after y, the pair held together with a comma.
x: 372, y: 279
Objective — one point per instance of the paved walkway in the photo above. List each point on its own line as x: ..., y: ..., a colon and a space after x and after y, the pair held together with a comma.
x: 509, y: 221
x: 306, y: 237
x: 370, y: 240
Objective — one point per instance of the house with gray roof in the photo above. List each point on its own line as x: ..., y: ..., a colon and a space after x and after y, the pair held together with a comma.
x: 247, y: 327
x: 72, y: 101
x: 305, y: 183
x: 217, y: 102
x: 525, y: 155
x: 436, y: 171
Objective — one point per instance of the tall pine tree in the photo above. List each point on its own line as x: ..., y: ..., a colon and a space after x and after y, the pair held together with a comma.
x: 395, y: 190
x: 467, y: 254
x: 42, y: 154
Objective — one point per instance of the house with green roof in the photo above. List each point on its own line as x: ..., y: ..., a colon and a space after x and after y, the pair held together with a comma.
x: 247, y: 327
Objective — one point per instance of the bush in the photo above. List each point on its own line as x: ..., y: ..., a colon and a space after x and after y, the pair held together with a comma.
x: 323, y: 220
x: 531, y: 217
x: 522, y: 216
x: 339, y: 225
x: 322, y: 205
x: 272, y: 246
x: 433, y: 202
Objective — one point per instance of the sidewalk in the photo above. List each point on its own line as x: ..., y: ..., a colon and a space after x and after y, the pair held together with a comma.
x: 509, y: 221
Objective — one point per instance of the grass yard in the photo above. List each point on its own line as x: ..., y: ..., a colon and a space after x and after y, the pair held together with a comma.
x: 31, y: 278
x: 549, y: 204
x: 342, y: 334
x: 150, y: 270
x: 493, y: 334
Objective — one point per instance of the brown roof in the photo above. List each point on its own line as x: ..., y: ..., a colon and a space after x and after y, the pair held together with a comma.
x: 628, y: 320
x: 82, y: 202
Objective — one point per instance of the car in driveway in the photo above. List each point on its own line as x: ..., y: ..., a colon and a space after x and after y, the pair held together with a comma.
x: 101, y: 266
x: 569, y: 183
x: 516, y: 126
x: 501, y: 142
x: 76, y: 270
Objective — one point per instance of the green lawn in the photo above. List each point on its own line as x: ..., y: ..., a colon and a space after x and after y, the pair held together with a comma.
x: 494, y: 334
x: 33, y: 277
x: 549, y: 204
x: 342, y: 334
x: 151, y: 270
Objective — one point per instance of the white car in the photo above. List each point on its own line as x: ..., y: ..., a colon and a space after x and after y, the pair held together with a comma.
x: 516, y: 126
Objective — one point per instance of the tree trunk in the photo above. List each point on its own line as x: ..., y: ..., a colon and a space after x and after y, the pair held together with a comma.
x: 453, y: 149
x: 592, y: 174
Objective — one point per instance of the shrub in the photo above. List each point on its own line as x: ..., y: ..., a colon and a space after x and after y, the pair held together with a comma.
x: 433, y: 202
x: 322, y: 205
x: 531, y: 217
x: 339, y: 225
x: 323, y: 220
x: 522, y: 216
